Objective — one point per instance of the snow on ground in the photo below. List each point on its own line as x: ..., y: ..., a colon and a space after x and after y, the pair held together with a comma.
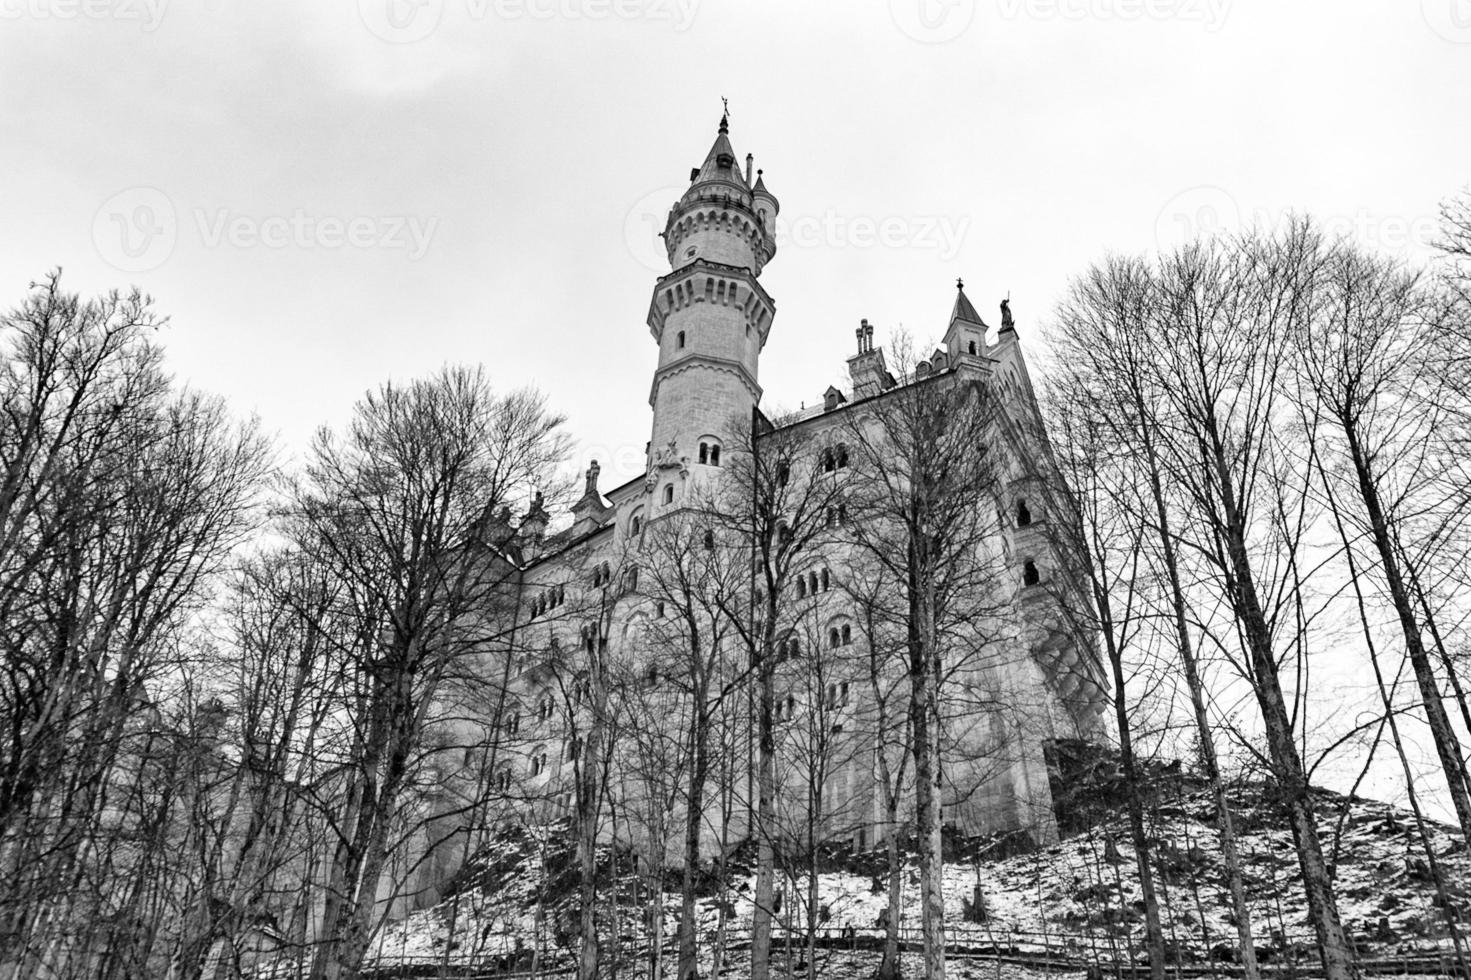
x: 1080, y: 895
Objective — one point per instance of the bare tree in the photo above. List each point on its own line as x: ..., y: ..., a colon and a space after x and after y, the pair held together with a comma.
x: 1218, y: 342
x: 121, y: 497
x: 923, y: 497
x: 394, y: 511
x: 1098, y: 338
x: 776, y: 508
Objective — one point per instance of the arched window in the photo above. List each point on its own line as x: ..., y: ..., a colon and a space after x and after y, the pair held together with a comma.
x: 714, y: 455
x: 825, y: 458
x: 801, y: 586
x: 834, y: 638
x: 1023, y: 515
x: 826, y: 580
x: 636, y: 526
x: 709, y: 540
x: 679, y: 340
x: 783, y: 535
x: 841, y: 455
x: 847, y: 635
x: 812, y: 582
x: 704, y: 453
x: 1030, y: 576
x: 972, y: 347
x: 669, y: 493
x: 783, y: 473
x: 630, y: 580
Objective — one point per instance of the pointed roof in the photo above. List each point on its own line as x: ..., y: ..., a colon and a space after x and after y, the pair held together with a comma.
x: 720, y: 166
x: 721, y: 152
x: 963, y: 309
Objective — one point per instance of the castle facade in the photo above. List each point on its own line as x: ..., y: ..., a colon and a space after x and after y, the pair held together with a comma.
x: 635, y: 581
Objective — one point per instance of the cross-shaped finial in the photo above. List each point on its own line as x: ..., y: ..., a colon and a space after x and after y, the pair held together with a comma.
x: 725, y: 104
x: 959, y: 284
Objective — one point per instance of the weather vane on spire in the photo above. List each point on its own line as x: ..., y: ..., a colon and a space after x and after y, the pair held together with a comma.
x: 725, y: 104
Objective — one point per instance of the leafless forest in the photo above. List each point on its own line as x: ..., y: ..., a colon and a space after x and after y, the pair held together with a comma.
x: 247, y: 705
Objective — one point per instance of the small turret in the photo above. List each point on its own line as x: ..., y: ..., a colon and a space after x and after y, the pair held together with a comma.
x: 767, y: 207
x: 966, y: 335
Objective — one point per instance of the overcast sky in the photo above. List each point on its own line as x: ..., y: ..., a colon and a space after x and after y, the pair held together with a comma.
x: 325, y: 195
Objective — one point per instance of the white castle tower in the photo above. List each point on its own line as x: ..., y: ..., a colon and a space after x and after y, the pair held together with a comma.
x: 710, y: 318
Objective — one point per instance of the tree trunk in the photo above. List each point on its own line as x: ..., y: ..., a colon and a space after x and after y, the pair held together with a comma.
x: 1154, y: 936
x: 1447, y: 747
x: 1333, y: 949
x: 765, y: 819
x: 1206, y: 741
x: 694, y: 814
x: 923, y: 707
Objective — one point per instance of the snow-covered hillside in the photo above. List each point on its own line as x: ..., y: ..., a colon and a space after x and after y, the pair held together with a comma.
x: 1080, y: 896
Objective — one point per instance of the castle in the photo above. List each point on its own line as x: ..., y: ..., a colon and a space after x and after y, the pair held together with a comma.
x: 710, y: 318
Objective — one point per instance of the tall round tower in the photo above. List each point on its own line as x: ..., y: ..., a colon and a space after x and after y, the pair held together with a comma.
x: 710, y: 318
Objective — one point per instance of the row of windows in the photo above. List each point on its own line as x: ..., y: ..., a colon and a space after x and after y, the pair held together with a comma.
x: 833, y: 458
x: 710, y: 453
x: 838, y: 635
x: 550, y: 599
x: 601, y: 575
x: 837, y: 697
x: 813, y: 583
